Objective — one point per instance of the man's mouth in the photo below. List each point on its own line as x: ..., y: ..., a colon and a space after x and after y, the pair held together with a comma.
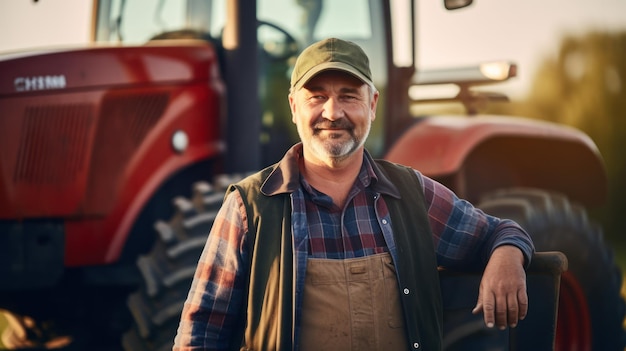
x: 332, y: 132
x: 340, y: 124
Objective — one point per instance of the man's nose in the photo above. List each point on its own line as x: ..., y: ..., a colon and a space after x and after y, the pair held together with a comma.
x: 333, y: 109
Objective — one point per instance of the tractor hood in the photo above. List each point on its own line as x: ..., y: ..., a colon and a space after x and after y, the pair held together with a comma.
x: 42, y: 71
x: 76, y: 125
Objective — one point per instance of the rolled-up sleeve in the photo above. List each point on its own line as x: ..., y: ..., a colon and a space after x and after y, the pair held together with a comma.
x: 465, y: 236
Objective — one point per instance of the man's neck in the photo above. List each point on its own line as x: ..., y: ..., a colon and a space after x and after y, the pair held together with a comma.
x: 333, y: 178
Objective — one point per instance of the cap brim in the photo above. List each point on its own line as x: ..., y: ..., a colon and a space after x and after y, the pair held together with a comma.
x: 328, y: 66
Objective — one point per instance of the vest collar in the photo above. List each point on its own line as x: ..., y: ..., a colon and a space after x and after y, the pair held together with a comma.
x: 285, y: 177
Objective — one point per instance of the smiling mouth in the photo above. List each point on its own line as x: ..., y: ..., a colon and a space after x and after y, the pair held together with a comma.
x: 331, y: 129
x: 339, y: 124
x: 332, y: 132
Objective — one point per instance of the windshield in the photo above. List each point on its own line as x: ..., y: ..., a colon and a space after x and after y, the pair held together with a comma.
x: 137, y: 21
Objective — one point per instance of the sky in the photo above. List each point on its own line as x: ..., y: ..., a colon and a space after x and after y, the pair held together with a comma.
x: 521, y: 31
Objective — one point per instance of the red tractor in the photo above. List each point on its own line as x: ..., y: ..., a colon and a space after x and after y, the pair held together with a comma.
x: 178, y: 98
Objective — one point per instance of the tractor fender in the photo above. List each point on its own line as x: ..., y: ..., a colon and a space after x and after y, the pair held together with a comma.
x: 476, y: 155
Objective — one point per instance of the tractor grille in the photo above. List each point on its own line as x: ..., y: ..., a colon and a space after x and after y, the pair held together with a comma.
x: 52, y: 144
x: 66, y: 154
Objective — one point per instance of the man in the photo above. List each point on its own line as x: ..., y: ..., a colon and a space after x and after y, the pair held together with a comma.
x: 332, y: 250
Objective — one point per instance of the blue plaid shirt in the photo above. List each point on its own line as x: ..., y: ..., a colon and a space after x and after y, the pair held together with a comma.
x: 462, y: 234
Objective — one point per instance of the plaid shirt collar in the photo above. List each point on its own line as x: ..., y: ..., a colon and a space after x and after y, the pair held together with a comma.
x: 285, y: 178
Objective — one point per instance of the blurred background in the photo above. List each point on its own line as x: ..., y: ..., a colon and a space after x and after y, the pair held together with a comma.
x: 571, y: 57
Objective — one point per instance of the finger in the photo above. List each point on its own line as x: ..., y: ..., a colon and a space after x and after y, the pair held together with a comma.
x: 501, y: 312
x: 512, y: 310
x: 488, y: 308
x: 479, y: 305
x: 522, y: 300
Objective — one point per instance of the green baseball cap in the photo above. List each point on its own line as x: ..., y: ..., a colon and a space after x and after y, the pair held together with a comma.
x: 331, y: 54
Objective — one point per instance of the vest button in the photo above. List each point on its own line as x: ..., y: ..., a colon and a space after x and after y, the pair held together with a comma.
x: 406, y: 291
x: 384, y: 221
x: 416, y: 345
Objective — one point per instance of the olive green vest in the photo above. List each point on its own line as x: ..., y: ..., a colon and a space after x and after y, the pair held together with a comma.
x: 269, y: 313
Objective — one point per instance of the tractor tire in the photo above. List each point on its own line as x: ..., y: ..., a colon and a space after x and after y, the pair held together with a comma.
x: 591, y: 309
x: 169, y: 267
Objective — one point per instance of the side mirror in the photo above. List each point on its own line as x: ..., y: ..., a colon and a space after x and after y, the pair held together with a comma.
x: 456, y: 4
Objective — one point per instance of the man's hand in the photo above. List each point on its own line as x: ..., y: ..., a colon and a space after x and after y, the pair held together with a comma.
x: 502, y: 296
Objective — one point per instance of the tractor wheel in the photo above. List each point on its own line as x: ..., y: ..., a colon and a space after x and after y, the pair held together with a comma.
x: 169, y: 267
x: 591, y: 309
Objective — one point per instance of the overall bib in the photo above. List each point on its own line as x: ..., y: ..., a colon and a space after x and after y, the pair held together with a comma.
x: 352, y: 304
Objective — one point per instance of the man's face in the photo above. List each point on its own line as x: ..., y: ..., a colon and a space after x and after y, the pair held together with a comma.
x: 333, y: 113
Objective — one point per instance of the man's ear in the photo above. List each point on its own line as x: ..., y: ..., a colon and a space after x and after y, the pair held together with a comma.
x: 373, y: 105
x: 292, y: 106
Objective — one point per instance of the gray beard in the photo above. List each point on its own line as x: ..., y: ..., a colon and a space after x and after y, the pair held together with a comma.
x: 335, y: 150
x: 338, y: 151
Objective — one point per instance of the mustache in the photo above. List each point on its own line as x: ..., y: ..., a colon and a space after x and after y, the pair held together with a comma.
x: 342, y: 123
